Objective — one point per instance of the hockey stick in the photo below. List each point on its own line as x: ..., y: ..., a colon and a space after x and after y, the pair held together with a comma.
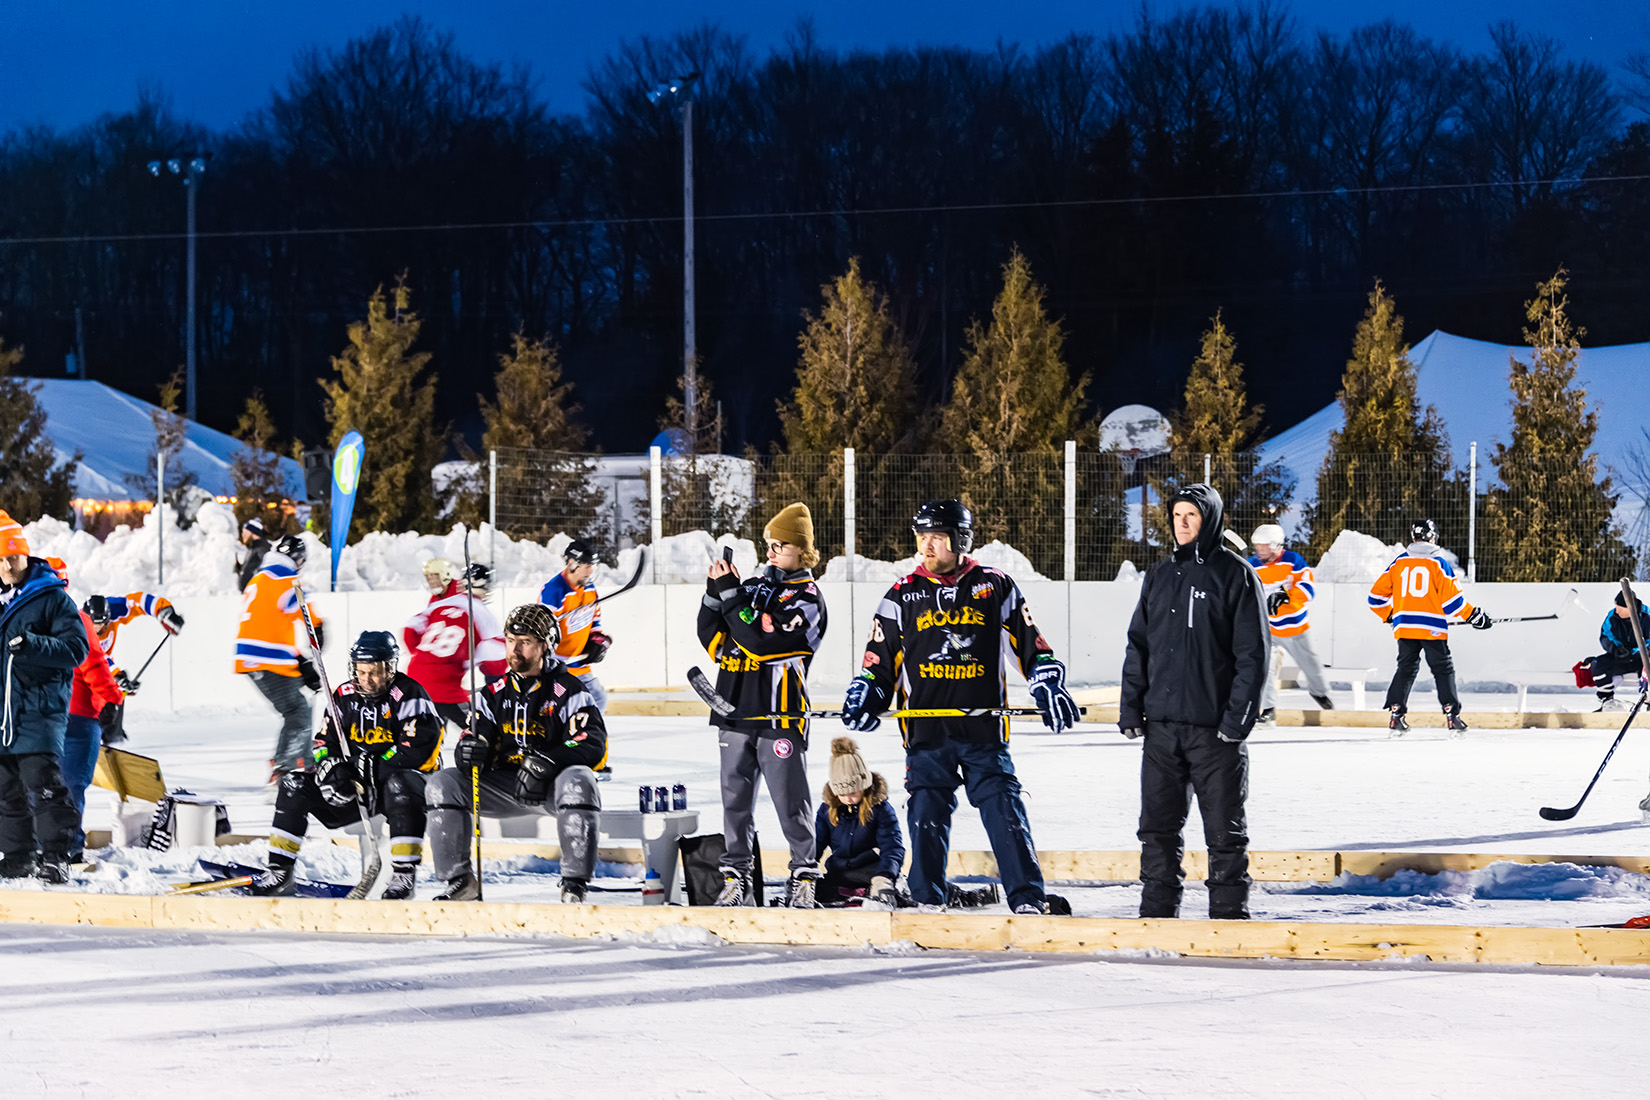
x: 139, y: 677
x: 635, y: 579
x: 703, y: 688
x: 371, y: 861
x: 475, y: 772
x: 1571, y: 599
x: 1549, y: 812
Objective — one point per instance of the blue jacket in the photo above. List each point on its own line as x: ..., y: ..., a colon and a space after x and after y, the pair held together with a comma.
x: 1615, y: 633
x: 853, y: 845
x: 35, y: 681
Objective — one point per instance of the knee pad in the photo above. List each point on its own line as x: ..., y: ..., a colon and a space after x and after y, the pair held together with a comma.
x: 293, y: 782
x: 403, y: 792
x: 447, y: 790
x: 576, y: 790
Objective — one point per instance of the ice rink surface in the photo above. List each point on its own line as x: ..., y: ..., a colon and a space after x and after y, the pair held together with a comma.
x: 99, y: 1012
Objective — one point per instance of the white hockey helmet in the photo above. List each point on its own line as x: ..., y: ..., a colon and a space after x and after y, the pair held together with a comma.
x: 1267, y: 534
x: 440, y: 572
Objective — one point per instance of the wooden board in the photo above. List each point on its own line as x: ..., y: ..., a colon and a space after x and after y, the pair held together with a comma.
x: 129, y: 775
x: 1581, y: 947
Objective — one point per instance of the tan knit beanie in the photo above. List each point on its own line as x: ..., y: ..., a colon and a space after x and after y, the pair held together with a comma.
x: 849, y: 775
x: 794, y: 524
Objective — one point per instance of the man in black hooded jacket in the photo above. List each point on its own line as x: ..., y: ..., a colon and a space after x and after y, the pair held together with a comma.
x: 1192, y: 678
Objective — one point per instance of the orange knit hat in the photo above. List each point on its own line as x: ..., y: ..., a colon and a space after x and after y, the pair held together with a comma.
x: 11, y: 536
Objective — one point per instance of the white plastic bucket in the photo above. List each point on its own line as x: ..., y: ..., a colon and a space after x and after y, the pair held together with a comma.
x: 194, y: 822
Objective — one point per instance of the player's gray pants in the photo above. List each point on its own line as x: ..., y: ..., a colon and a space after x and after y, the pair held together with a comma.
x: 286, y: 695
x: 596, y: 690
x: 575, y: 800
x: 783, y: 765
x: 1298, y: 646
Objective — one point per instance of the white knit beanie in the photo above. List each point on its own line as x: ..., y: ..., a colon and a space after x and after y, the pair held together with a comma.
x: 849, y: 775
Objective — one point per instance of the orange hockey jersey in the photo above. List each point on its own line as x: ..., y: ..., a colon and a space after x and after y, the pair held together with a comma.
x: 268, y: 637
x: 1418, y: 594
x: 1290, y: 573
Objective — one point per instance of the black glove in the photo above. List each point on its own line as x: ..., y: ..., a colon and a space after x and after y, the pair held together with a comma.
x: 861, y: 704
x: 471, y: 751
x: 596, y: 648
x: 533, y: 778
x: 1048, y: 691
x: 1478, y: 620
x: 1133, y: 733
x: 307, y: 673
x: 125, y: 683
x: 320, y: 636
x: 17, y: 644
x: 336, y: 780
x: 1276, y: 601
x: 169, y: 619
x: 113, y: 720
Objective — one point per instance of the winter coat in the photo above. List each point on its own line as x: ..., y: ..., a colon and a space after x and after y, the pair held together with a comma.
x: 1198, y: 645
x: 37, y: 678
x: 1615, y: 633
x: 762, y: 632
x: 853, y: 843
x: 94, y: 680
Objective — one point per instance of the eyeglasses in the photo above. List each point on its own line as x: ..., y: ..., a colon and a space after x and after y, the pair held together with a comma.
x: 776, y: 547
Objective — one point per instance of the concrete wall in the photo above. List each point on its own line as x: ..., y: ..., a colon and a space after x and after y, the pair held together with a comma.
x: 655, y: 641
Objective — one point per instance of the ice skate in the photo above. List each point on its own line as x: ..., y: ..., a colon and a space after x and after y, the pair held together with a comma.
x: 573, y: 891
x: 277, y: 882
x: 400, y: 886
x: 1268, y: 719
x: 799, y: 891
x: 1455, y: 724
x: 1397, y: 725
x: 463, y: 888
x: 1324, y: 702
x: 736, y: 890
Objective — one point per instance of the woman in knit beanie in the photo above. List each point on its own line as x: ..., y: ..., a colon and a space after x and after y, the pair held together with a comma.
x: 793, y: 526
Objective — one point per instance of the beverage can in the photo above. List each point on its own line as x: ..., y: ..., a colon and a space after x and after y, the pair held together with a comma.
x: 644, y: 798
x: 661, y: 799
x: 678, y: 797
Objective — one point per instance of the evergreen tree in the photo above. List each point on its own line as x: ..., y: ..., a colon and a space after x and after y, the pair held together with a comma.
x: 31, y: 483
x: 544, y: 484
x: 255, y: 470
x: 1217, y: 420
x: 170, y: 430
x: 381, y: 391
x: 1552, y: 515
x: 1012, y: 408
x: 855, y: 387
x: 701, y: 489
x: 1390, y: 464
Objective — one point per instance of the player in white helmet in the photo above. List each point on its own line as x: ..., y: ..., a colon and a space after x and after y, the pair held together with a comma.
x: 1289, y: 593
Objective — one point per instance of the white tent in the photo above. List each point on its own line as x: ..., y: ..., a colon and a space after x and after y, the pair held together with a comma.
x: 115, y: 433
x: 1467, y: 381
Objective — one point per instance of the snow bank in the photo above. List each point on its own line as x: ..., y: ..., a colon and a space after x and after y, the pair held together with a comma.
x: 1497, y: 882
x: 1355, y: 557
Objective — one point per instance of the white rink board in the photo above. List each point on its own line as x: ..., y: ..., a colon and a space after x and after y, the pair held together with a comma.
x: 655, y: 641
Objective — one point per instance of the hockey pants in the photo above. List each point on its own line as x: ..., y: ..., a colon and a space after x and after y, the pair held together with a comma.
x: 81, y: 740
x: 35, y: 808
x: 286, y: 695
x: 396, y: 793
x: 1605, y: 668
x: 574, y: 800
x: 782, y: 763
x: 983, y: 768
x: 1178, y: 760
x: 1409, y: 663
x: 1298, y: 646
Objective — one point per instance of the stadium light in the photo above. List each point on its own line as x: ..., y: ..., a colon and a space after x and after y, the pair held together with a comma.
x: 190, y: 169
x: 682, y: 86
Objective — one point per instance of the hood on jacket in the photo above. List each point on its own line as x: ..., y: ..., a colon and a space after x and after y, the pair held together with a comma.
x: 876, y: 796
x: 1209, y: 505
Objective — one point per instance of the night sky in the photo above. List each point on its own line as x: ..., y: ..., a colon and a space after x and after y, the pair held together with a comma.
x: 63, y: 62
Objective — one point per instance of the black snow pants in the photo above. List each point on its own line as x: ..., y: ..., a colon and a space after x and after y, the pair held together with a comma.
x: 1179, y: 760
x: 1409, y: 663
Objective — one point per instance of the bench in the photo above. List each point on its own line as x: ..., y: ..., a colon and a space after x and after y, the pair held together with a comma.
x: 1357, y: 677
x: 1522, y: 679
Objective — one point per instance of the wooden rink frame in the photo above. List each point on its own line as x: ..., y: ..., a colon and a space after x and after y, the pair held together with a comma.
x: 1294, y: 940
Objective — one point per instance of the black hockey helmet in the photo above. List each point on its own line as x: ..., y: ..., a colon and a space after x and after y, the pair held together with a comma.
x: 293, y: 547
x: 374, y: 647
x: 950, y: 516
x: 97, y: 609
x: 478, y: 579
x: 1423, y: 530
x: 581, y: 552
x: 535, y: 620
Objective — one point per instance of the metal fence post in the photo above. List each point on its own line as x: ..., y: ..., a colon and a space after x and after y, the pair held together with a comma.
x: 492, y: 507
x: 1472, y: 511
x: 655, y: 499
x: 1206, y: 480
x: 848, y: 509
x: 160, y: 514
x: 1071, y: 510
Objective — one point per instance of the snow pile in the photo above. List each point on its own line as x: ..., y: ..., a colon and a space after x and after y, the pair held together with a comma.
x: 1498, y: 882
x: 1355, y: 558
x: 200, y: 561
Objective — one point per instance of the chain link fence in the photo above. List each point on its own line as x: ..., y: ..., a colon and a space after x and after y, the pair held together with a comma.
x: 1120, y: 513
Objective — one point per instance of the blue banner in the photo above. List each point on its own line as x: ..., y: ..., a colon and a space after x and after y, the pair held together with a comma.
x: 346, y: 477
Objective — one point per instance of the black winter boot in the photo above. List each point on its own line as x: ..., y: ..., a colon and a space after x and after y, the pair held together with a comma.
x: 53, y: 870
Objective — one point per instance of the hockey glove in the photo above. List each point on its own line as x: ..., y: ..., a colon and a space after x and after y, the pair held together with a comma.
x: 861, y: 704
x: 307, y: 673
x: 1478, y: 620
x: 596, y: 648
x: 125, y: 683
x: 882, y: 892
x: 1048, y: 691
x: 169, y: 619
x: 533, y: 778
x: 471, y: 751
x: 1276, y: 602
x: 335, y: 779
x: 113, y: 720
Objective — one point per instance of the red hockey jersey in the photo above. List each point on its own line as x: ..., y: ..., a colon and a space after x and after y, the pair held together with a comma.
x: 438, y: 638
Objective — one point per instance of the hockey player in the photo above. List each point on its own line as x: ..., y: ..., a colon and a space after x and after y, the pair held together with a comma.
x: 95, y: 705
x: 1620, y: 656
x: 42, y: 640
x: 394, y: 738
x: 1289, y: 591
x: 439, y: 638
x: 538, y: 735
x: 1417, y: 595
x: 110, y: 613
x: 579, y: 618
x: 763, y: 633
x: 943, y: 637
x: 266, y: 650
x: 1197, y: 654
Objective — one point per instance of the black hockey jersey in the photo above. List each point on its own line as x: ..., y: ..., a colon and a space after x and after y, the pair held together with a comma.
x: 949, y: 642
x: 763, y: 633
x: 552, y: 714
x: 399, y: 729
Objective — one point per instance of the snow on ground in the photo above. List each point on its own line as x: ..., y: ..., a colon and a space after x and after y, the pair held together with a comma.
x: 168, y: 1014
